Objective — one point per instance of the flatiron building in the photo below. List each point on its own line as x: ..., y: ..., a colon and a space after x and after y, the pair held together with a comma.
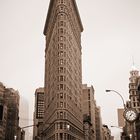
x: 63, y: 118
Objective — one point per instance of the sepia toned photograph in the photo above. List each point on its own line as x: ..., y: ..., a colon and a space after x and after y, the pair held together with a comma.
x: 69, y: 70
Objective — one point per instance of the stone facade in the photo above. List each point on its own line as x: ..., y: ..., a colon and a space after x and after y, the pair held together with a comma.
x: 63, y: 73
x: 12, y: 100
x: 9, y: 108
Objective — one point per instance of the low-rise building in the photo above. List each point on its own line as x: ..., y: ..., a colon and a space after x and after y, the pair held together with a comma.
x: 38, y: 113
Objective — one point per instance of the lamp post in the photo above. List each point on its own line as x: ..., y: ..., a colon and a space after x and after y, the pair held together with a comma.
x: 130, y: 114
x: 116, y: 92
x: 108, y: 90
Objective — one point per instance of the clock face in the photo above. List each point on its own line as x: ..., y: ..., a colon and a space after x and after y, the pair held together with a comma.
x: 130, y: 115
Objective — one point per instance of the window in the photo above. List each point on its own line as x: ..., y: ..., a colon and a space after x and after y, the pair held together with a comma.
x: 64, y: 95
x: 65, y: 136
x: 61, y: 115
x: 61, y: 45
x: 64, y: 54
x: 57, y: 136
x: 61, y: 23
x: 61, y: 53
x: 62, y: 1
x: 57, y: 96
x: 61, y: 125
x: 61, y: 136
x: 61, y: 38
x: 61, y: 62
x: 61, y: 30
x: 61, y: 78
x: 61, y: 8
x: 57, y: 115
x: 61, y: 95
x: 61, y: 86
x: 134, y: 104
x: 60, y: 70
x: 61, y: 104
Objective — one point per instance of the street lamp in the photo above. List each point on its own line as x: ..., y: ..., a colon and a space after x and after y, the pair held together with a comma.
x: 130, y: 114
x: 108, y: 90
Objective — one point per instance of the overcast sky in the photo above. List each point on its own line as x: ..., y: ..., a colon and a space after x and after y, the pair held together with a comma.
x: 110, y: 41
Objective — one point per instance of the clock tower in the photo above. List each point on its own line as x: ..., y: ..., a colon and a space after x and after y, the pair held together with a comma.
x: 133, y: 88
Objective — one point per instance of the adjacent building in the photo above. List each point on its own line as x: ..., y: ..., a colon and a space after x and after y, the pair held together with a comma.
x: 133, y: 88
x: 134, y: 94
x: 89, y: 108
x: 98, y: 123
x: 92, y: 121
x: 11, y: 98
x: 121, y: 120
x: 133, y: 129
x: 9, y: 113
x: 63, y: 72
x: 38, y: 113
